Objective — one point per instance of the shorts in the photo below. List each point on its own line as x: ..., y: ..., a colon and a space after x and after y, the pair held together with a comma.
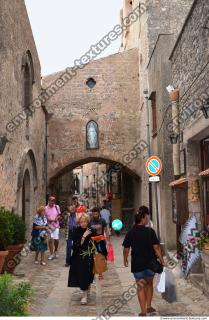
x: 143, y: 274
x: 55, y: 234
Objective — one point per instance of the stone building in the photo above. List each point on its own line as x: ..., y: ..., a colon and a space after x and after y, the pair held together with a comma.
x: 159, y: 76
x: 190, y: 65
x: 22, y: 131
x: 88, y: 176
x: 94, y: 117
x: 154, y: 34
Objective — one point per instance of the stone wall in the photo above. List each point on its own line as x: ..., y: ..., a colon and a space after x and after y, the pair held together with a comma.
x: 160, y: 17
x: 159, y: 76
x: 190, y: 74
x: 113, y: 103
x: 190, y: 64
x: 26, y: 146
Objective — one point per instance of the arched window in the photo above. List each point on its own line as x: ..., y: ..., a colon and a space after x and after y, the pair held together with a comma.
x: 92, y: 135
x: 28, y: 79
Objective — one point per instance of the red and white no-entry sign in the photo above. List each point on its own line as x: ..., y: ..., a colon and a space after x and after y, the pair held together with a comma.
x: 154, y: 166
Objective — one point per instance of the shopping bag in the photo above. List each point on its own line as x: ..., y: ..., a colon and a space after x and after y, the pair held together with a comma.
x: 100, y: 263
x: 160, y: 286
x: 170, y: 289
x: 110, y: 252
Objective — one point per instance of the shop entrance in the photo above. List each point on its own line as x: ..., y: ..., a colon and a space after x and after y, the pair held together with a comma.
x: 180, y: 211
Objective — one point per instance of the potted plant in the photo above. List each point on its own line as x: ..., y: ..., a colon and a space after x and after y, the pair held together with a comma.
x: 17, y: 243
x: 6, y: 233
x: 204, y: 242
x: 14, y: 297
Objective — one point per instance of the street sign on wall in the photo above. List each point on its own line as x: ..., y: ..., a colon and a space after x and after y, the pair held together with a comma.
x: 153, y: 166
x: 154, y: 179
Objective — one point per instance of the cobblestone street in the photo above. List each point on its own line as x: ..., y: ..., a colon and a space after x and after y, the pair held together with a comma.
x: 54, y: 298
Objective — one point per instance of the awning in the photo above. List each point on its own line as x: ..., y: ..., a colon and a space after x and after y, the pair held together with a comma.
x: 177, y: 182
x: 204, y: 173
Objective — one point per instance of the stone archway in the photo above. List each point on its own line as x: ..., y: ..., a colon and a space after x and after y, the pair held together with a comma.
x: 123, y: 205
x: 27, y: 184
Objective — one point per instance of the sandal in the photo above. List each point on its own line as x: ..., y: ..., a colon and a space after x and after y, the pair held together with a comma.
x: 151, y: 310
x: 43, y: 263
x: 100, y: 277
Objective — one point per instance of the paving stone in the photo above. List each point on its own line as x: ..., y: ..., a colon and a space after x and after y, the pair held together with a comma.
x: 54, y: 298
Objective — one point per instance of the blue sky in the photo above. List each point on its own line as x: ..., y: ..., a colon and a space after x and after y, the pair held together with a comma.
x: 65, y: 29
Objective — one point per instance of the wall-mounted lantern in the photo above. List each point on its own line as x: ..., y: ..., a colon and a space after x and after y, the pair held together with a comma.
x: 174, y: 138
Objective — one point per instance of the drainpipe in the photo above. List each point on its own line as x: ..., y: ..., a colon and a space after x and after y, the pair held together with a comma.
x: 47, y: 118
x: 174, y: 96
x: 149, y: 146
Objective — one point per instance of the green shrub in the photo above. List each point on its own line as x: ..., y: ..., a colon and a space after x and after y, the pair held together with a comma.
x: 12, y: 229
x: 19, y: 229
x: 14, y: 298
x: 6, y: 229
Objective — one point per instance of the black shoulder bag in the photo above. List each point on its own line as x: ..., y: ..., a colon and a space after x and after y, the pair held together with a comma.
x: 154, y: 264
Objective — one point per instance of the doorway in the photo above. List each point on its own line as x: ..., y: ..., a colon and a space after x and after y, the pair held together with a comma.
x: 180, y: 211
x: 26, y: 200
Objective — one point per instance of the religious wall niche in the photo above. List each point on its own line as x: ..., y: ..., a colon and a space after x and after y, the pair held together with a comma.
x: 92, y: 135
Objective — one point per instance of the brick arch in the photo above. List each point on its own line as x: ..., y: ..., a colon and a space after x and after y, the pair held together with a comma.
x: 113, y: 104
x: 27, y: 160
x: 76, y: 163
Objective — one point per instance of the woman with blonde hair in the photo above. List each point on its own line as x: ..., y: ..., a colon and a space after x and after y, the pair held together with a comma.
x: 82, y: 260
x: 39, y: 235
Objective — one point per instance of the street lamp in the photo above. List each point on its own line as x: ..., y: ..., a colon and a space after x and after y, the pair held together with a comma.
x: 205, y: 109
x: 174, y: 138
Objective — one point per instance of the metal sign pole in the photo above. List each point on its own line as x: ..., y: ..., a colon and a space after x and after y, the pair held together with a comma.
x: 154, y: 167
x: 157, y: 211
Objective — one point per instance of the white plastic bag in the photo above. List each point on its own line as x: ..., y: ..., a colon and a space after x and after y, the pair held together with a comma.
x: 170, y: 288
x: 160, y: 286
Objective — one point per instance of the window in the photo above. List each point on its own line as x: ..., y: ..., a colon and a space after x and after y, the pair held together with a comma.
x: 28, y: 79
x: 205, y: 154
x: 154, y: 113
x: 92, y: 135
x: 206, y: 201
x: 91, y: 83
x: 205, y: 165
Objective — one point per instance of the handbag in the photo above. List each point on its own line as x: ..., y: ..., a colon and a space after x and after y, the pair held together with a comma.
x: 110, y: 255
x: 100, y: 263
x: 154, y: 264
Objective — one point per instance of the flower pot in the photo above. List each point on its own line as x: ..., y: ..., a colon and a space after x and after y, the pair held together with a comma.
x: 3, y: 255
x: 13, y: 258
x: 174, y: 95
x: 206, y: 246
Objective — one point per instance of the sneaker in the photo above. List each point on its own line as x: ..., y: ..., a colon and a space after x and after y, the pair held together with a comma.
x: 36, y: 262
x: 43, y: 263
x: 84, y: 298
x: 56, y: 254
x: 51, y: 257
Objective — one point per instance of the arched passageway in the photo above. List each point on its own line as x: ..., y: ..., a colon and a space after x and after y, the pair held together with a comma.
x: 97, y: 181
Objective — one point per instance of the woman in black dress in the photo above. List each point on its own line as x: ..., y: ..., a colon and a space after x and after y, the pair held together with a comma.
x: 82, y: 260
